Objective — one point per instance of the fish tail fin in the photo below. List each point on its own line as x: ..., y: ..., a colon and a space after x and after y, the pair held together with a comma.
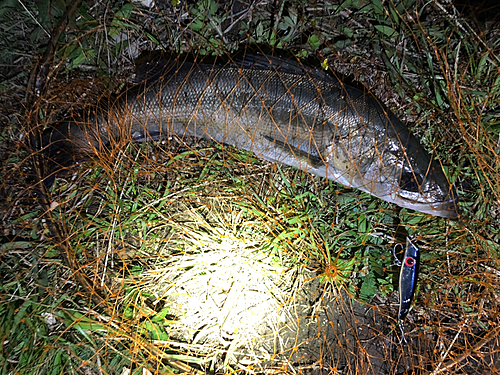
x: 62, y: 147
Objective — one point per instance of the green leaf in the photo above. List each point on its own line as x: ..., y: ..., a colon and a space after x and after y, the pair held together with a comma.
x: 125, y: 12
x: 387, y: 31
x: 81, y: 57
x: 15, y: 245
x: 154, y: 331
x: 8, y: 5
x: 196, y: 25
x: 346, y: 31
x: 368, y: 288
x: 314, y: 41
x: 86, y: 17
x: 378, y: 7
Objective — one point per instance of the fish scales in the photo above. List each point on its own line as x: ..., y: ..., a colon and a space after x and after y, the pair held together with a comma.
x: 283, y: 112
x: 242, y: 107
x: 259, y: 103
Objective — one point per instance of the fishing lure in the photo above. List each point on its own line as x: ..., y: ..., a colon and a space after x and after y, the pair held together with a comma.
x: 407, y: 281
x: 408, y: 278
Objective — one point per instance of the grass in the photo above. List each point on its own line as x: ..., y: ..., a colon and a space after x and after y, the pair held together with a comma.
x: 170, y: 257
x: 216, y: 261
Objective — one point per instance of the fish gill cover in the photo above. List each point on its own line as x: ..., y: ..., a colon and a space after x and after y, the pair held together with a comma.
x: 185, y: 254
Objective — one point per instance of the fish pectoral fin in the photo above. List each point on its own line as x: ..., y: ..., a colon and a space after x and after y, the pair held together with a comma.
x: 297, y: 153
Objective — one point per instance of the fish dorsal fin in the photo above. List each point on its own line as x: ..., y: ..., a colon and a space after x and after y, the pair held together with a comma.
x: 281, y: 65
x: 154, y: 66
x: 153, y: 70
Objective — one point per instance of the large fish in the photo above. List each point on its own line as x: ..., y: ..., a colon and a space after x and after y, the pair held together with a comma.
x: 277, y: 108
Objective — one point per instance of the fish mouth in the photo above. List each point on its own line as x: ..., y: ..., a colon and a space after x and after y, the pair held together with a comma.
x: 431, y: 198
x: 448, y: 209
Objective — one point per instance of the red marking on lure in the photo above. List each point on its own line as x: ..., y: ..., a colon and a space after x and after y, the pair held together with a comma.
x: 410, y: 262
x: 408, y: 278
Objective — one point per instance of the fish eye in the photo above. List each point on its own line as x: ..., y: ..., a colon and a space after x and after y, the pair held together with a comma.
x: 411, y: 182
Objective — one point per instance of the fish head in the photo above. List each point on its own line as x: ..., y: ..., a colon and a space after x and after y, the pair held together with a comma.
x: 404, y: 175
x: 408, y: 177
x: 372, y: 150
x: 427, y: 190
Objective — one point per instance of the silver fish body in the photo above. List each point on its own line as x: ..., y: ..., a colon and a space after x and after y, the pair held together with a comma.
x: 283, y: 112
